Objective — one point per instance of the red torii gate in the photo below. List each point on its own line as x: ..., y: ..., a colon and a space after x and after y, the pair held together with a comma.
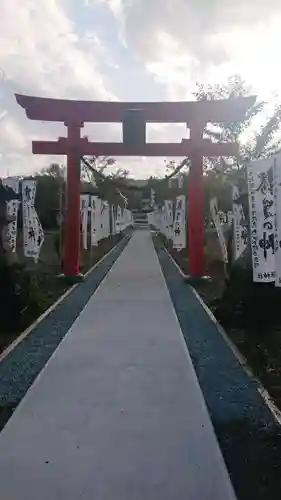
x: 134, y: 117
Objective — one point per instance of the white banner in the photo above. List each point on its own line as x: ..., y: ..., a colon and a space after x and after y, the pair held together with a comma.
x: 225, y: 218
x: 107, y: 220
x: 150, y: 219
x: 33, y: 236
x: 154, y: 219
x: 169, y: 219
x: 12, y: 211
x: 277, y: 224
x: 98, y: 216
x: 163, y: 227
x: 240, y: 232
x: 262, y: 219
x: 104, y: 220
x: 122, y: 219
x: 84, y: 210
x: 179, y: 228
x: 158, y: 219
x: 119, y: 220
x: 216, y: 218
x: 152, y: 198
x: 161, y: 221
x: 180, y: 181
x: 165, y: 219
x: 113, y: 220
x: 127, y: 218
x: 94, y: 233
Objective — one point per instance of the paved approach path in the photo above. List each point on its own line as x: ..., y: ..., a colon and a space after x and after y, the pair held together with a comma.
x: 117, y: 413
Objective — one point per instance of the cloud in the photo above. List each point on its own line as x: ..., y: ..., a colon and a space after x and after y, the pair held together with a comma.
x: 120, y: 49
x: 192, y: 24
x: 181, y: 41
x: 42, y: 51
x: 184, y: 41
x: 41, y: 54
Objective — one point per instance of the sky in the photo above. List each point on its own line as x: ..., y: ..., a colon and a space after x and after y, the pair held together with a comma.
x: 126, y: 50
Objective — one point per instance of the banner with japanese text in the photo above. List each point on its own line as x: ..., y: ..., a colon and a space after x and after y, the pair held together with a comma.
x: 94, y: 232
x: 225, y: 218
x: 262, y: 219
x: 84, y: 210
x: 122, y: 219
x: 217, y: 222
x: 240, y: 231
x: 127, y: 218
x: 154, y: 219
x: 118, y: 220
x: 98, y: 218
x: 12, y: 208
x: 277, y: 212
x: 169, y: 219
x: 113, y: 220
x: 104, y: 220
x: 152, y: 198
x: 33, y: 236
x: 162, y: 220
x: 179, y: 227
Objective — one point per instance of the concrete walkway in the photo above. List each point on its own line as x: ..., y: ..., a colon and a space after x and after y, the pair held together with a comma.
x: 117, y: 412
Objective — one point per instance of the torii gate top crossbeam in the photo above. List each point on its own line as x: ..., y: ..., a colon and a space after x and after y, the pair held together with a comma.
x: 134, y: 116
x: 62, y: 110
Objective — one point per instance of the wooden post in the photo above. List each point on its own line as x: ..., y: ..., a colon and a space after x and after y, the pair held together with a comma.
x: 61, y: 221
x: 72, y: 217
x: 195, y: 199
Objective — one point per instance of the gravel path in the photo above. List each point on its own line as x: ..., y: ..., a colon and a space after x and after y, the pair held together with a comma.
x: 19, y: 369
x: 248, y: 434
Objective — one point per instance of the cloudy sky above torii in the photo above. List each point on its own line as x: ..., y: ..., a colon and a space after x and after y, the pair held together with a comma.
x: 142, y: 50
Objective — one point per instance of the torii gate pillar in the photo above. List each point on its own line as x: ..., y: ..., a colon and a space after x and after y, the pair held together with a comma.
x: 195, y: 206
x: 71, y: 246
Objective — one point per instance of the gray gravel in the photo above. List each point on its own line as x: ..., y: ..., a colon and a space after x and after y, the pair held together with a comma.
x: 248, y: 433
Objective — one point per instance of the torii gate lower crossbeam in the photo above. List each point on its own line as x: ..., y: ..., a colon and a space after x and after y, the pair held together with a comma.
x: 134, y: 117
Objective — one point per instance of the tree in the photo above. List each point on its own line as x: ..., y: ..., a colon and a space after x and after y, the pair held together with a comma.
x: 221, y: 173
x: 99, y: 163
x: 121, y: 173
x: 262, y: 143
x: 242, y: 299
x: 50, y: 187
x: 51, y: 183
x: 54, y: 170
